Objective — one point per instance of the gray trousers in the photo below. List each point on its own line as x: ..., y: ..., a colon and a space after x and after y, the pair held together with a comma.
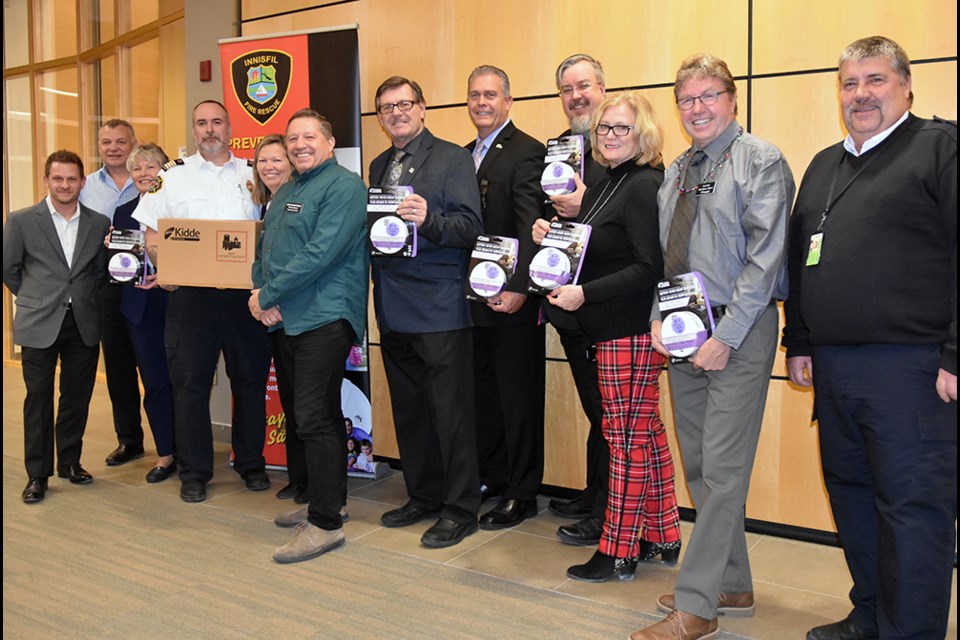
x: 718, y: 416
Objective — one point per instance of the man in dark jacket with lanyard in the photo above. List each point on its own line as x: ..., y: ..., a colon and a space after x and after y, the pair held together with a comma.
x: 872, y: 326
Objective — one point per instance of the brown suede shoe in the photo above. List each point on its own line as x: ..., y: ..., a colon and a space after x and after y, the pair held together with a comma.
x: 735, y: 605
x: 309, y: 542
x: 679, y: 625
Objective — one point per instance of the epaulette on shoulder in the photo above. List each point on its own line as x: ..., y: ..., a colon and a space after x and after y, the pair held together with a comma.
x: 952, y: 123
x: 173, y: 163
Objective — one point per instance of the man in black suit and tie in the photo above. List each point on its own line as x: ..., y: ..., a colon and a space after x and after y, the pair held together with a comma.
x: 508, y: 341
x: 54, y: 261
x: 425, y: 327
x: 581, y: 87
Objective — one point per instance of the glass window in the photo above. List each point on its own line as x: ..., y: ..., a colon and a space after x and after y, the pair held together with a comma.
x: 141, y: 12
x: 16, y: 45
x: 102, y: 102
x: 58, y: 36
x: 141, y: 78
x: 19, y: 161
x: 57, y: 109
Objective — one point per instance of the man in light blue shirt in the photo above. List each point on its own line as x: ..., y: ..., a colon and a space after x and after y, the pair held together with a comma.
x: 111, y: 186
x: 105, y: 190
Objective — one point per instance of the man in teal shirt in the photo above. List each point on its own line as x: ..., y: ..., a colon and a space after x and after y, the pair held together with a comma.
x: 310, y: 290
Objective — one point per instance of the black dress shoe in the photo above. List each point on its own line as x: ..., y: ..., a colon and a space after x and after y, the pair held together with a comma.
x: 35, y: 491
x: 406, y: 515
x: 124, y: 454
x: 669, y: 552
x: 302, y: 497
x: 290, y: 491
x: 583, y: 533
x: 843, y: 630
x: 193, y: 490
x: 568, y: 508
x: 76, y: 474
x: 446, y: 533
x: 508, y: 513
x: 602, y: 567
x: 256, y: 479
x: 159, y: 474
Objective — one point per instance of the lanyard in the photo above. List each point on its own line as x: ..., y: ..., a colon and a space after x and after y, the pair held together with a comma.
x: 833, y: 183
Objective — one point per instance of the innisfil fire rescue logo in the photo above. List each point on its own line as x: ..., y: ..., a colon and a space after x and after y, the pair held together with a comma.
x: 260, y: 81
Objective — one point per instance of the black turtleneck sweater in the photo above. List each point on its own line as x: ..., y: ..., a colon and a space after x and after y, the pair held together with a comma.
x: 623, y: 261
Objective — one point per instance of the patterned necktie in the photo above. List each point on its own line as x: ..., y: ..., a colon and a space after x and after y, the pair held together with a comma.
x: 678, y: 242
x: 396, y: 166
x: 478, y: 155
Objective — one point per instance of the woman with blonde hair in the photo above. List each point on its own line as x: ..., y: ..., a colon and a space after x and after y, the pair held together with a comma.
x: 612, y: 303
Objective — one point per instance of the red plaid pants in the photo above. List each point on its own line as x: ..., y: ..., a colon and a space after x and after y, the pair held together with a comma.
x: 642, y: 501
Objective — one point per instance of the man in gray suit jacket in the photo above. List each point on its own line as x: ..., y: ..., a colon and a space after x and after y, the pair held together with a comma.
x: 425, y: 326
x: 54, y: 261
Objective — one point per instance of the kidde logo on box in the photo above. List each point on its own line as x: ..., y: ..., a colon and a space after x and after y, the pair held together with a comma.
x: 187, y: 234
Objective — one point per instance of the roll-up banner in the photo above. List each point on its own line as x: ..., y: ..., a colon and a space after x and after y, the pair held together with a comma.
x: 266, y: 79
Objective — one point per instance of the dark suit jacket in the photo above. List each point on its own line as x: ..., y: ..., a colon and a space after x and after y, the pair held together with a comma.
x: 133, y: 301
x: 511, y: 199
x: 426, y: 294
x: 36, y: 271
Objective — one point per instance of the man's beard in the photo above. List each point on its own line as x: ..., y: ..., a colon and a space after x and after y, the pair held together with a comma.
x: 580, y: 124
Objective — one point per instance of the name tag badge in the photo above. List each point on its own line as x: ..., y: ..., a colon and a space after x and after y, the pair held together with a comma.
x: 813, y: 254
x: 705, y: 188
x: 293, y: 207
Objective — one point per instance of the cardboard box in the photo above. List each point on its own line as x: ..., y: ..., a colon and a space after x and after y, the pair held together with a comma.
x: 207, y: 253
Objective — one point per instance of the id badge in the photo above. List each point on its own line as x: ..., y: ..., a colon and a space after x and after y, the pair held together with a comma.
x: 813, y: 254
x: 293, y: 207
x: 705, y: 188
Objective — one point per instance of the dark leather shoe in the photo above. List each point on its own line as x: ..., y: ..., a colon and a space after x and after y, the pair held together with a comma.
x: 843, y: 630
x: 76, y: 474
x: 508, y: 513
x: 568, y: 508
x: 290, y: 491
x: 669, y: 552
x: 124, y: 454
x: 35, y: 491
x: 256, y: 479
x: 193, y: 490
x: 406, y: 515
x: 602, y: 567
x: 446, y: 533
x: 302, y: 497
x: 582, y: 533
x: 159, y: 474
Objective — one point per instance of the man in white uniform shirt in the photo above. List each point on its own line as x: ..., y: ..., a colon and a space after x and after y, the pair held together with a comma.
x: 202, y: 322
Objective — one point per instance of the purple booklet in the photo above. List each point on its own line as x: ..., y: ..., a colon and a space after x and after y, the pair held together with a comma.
x: 390, y: 235
x: 685, y: 313
x: 492, y: 264
x: 564, y: 159
x: 560, y: 256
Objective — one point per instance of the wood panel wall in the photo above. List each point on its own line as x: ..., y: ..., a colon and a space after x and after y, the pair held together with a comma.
x: 784, y: 55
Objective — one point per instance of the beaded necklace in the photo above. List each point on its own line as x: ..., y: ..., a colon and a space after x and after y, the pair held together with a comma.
x: 706, y: 185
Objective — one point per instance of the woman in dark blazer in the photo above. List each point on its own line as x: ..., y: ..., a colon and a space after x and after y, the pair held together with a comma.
x: 612, y: 303
x: 145, y: 308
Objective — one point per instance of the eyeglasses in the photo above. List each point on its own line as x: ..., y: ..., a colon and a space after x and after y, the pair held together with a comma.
x: 706, y: 99
x: 567, y: 91
x: 403, y: 105
x: 619, y: 130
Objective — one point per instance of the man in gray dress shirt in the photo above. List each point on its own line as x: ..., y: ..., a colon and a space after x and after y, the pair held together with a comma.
x: 724, y: 206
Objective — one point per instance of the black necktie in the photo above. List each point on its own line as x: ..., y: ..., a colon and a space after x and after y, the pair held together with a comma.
x: 678, y: 242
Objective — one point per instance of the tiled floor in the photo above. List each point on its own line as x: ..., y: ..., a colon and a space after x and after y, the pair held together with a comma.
x: 797, y: 585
